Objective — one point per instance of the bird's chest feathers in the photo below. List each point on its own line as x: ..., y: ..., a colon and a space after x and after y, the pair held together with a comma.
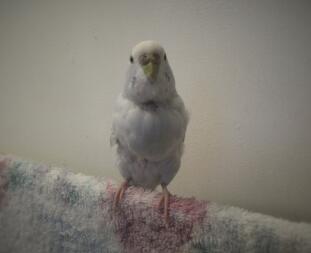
x: 154, y: 131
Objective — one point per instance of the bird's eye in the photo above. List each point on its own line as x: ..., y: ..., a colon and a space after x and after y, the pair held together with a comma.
x: 131, y: 59
x: 164, y: 57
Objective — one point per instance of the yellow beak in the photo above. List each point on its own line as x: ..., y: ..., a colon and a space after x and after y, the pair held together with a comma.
x: 151, y: 70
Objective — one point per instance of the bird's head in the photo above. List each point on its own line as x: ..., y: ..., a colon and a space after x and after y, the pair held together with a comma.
x: 149, y: 76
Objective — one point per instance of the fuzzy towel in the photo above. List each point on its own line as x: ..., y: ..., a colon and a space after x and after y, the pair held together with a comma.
x: 45, y: 209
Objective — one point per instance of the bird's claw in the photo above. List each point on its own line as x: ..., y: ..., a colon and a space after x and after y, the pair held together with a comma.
x: 164, y: 201
x: 119, y: 195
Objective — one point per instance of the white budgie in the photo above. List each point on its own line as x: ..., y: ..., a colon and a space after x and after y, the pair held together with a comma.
x: 149, y: 123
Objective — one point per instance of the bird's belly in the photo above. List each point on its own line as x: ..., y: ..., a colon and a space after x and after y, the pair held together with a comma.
x: 154, y: 134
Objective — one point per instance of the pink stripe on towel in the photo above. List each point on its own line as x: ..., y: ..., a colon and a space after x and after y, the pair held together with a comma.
x: 140, y: 225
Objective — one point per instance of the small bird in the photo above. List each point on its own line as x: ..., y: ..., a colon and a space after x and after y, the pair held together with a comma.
x: 149, y: 124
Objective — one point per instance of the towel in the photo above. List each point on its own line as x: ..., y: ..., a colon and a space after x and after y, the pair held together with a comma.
x: 49, y: 209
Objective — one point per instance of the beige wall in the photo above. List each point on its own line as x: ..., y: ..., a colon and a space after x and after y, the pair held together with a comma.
x: 242, y: 67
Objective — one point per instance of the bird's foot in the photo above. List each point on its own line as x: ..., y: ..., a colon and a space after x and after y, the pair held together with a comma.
x: 119, y: 194
x: 164, y: 201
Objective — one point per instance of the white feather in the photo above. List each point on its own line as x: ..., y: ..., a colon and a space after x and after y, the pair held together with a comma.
x: 149, y: 136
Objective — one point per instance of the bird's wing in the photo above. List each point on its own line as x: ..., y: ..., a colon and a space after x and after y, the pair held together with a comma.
x: 121, y: 109
x: 179, y: 106
x: 113, y: 139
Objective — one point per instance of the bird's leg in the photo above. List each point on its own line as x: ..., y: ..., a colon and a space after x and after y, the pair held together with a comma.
x: 119, y: 194
x: 165, y: 198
